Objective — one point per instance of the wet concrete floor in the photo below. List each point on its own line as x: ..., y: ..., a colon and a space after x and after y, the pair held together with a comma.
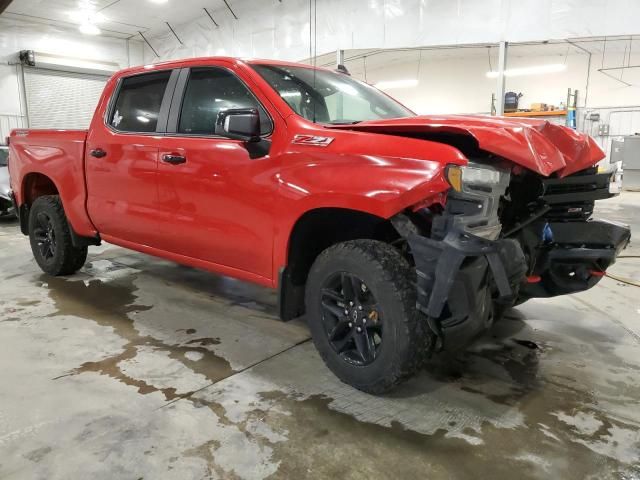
x: 137, y: 368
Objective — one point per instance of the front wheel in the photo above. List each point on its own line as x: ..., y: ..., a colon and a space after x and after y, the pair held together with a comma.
x: 50, y: 238
x: 361, y: 309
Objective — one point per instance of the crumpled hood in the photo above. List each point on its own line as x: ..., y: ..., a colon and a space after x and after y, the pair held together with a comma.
x: 538, y: 145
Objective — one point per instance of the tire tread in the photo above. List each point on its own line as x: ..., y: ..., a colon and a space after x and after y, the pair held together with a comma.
x: 71, y: 258
x: 387, y: 262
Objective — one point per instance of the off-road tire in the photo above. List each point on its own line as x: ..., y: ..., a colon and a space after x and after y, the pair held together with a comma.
x: 66, y: 258
x: 406, y: 340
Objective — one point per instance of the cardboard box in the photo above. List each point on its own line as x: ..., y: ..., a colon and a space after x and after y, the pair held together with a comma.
x: 538, y: 107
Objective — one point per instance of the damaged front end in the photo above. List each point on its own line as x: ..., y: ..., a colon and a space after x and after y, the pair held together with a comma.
x: 504, y: 237
x: 566, y: 249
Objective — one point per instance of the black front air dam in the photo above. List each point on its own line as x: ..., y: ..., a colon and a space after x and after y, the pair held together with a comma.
x: 458, y: 280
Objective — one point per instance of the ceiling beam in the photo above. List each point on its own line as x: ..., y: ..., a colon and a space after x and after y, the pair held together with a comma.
x: 4, y: 4
x: 229, y: 7
x: 66, y: 25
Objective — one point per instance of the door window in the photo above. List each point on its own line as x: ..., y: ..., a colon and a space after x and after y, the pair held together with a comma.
x: 138, y: 104
x: 210, y: 91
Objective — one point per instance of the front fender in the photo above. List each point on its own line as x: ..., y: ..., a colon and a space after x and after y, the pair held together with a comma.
x: 379, y: 185
x: 383, y: 189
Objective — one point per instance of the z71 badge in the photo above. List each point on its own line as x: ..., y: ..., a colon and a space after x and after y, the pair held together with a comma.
x: 313, y: 140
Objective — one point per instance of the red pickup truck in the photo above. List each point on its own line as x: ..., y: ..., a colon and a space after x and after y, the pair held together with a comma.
x: 398, y: 235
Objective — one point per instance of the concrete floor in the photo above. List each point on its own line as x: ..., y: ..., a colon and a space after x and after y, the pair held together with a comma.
x: 136, y: 368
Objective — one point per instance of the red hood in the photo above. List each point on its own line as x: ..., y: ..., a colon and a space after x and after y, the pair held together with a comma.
x: 534, y: 144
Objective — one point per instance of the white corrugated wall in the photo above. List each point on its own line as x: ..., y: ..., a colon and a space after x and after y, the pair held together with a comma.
x: 60, y: 99
x: 8, y: 123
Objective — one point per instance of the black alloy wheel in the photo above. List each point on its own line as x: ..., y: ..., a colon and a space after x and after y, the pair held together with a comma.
x: 45, y: 236
x: 351, y: 319
x: 360, y: 300
x: 50, y: 238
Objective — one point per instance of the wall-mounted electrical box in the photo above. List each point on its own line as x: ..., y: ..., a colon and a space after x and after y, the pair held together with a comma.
x: 603, y: 129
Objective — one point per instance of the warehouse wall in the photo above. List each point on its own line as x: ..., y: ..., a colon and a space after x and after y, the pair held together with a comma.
x: 459, y: 84
x: 280, y: 29
x: 16, y: 36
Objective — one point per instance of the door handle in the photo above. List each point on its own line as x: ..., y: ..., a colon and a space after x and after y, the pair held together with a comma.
x: 173, y: 159
x: 98, y: 153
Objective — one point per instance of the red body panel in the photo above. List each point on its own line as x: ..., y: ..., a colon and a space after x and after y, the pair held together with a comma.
x: 538, y: 145
x: 57, y: 154
x: 225, y: 211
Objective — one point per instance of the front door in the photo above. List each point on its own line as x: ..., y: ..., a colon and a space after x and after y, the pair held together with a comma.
x: 122, y: 158
x: 215, y: 199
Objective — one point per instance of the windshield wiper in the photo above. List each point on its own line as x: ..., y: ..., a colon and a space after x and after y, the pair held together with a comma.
x: 344, y: 123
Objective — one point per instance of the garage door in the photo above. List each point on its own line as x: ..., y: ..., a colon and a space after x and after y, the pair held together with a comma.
x: 61, y: 99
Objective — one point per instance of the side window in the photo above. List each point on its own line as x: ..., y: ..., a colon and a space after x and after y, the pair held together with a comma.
x: 209, y: 91
x: 138, y: 103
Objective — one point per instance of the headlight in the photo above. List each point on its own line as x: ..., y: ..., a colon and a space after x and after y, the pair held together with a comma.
x: 459, y: 176
x: 475, y: 198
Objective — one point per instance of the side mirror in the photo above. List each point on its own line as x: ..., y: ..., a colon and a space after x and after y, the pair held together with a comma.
x: 239, y: 124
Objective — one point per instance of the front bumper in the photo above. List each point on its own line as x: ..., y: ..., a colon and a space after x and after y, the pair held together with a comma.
x: 575, y: 256
x: 468, y: 269
x: 462, y: 279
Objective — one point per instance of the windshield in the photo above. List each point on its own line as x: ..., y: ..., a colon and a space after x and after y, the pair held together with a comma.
x: 4, y: 157
x: 329, y: 97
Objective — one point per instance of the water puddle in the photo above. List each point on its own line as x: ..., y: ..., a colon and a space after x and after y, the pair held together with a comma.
x: 113, y: 304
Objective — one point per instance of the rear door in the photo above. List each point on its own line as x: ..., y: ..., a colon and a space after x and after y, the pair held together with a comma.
x: 216, y: 198
x: 122, y: 158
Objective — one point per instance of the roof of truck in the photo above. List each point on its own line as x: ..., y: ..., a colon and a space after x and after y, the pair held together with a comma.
x: 187, y: 62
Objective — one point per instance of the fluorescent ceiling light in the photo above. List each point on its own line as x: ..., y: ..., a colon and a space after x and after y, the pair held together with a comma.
x: 87, y: 17
x: 346, y: 88
x: 538, y: 70
x: 292, y: 93
x: 389, y: 84
x: 158, y: 1
x: 89, y: 29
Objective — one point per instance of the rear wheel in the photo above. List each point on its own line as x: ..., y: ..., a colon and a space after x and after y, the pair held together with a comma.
x: 50, y: 237
x: 361, y: 308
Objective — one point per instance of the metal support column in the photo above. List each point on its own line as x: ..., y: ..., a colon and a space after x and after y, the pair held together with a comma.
x: 339, y: 58
x: 340, y: 99
x: 500, y: 87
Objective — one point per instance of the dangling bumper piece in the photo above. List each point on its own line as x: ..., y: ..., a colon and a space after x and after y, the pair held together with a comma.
x: 458, y: 280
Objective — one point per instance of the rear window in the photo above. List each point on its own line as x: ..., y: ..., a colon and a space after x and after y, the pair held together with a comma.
x: 138, y: 104
x: 4, y: 157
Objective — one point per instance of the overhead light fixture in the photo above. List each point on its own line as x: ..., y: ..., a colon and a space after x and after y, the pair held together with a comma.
x: 158, y: 1
x: 89, y: 29
x: 389, y: 84
x: 537, y: 70
x: 291, y: 93
x: 87, y: 17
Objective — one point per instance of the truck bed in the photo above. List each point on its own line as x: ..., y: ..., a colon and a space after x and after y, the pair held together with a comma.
x: 59, y: 154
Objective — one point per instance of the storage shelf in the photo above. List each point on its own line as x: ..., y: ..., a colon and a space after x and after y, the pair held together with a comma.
x: 550, y: 113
